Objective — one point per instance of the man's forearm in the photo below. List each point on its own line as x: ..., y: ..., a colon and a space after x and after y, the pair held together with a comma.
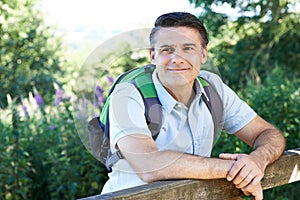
x: 268, y: 146
x: 174, y: 165
x: 152, y: 165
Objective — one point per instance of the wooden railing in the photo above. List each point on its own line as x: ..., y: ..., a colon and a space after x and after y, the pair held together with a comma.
x: 284, y: 171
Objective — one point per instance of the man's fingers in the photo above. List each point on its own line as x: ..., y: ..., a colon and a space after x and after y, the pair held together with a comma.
x: 254, y: 188
x: 246, y: 192
x: 245, y: 174
x: 228, y: 156
x: 258, y: 194
x: 234, y: 171
x: 246, y: 181
x: 250, y: 179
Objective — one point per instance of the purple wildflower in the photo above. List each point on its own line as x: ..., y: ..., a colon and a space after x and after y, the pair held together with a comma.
x: 110, y: 80
x: 99, y: 91
x: 39, y: 99
x: 57, y: 102
x: 96, y: 104
x: 99, y: 94
x: 100, y: 100
x: 59, y: 95
x: 24, y: 108
x: 69, y: 121
x: 52, y: 127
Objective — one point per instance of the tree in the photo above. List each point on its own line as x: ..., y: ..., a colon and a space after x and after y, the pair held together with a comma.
x: 264, y: 35
x: 30, y: 54
x: 114, y: 56
x: 30, y: 59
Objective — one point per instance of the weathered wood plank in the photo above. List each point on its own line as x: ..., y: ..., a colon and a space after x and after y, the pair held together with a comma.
x: 285, y: 170
x: 182, y: 189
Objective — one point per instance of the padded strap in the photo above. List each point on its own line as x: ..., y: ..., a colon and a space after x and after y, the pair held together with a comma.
x: 215, y: 106
x: 114, y: 158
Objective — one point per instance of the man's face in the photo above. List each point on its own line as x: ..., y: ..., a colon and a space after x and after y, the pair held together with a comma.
x: 178, y: 55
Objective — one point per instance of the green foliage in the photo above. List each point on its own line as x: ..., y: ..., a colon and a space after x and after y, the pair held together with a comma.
x: 30, y: 54
x: 278, y: 101
x: 96, y: 72
x: 42, y: 156
x: 263, y: 36
x: 286, y: 192
x: 130, y: 60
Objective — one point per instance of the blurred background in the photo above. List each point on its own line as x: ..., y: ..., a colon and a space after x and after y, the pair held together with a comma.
x: 46, y: 46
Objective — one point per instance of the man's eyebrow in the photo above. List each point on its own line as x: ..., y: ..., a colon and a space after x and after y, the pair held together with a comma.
x: 173, y: 45
x: 190, y: 44
x: 166, y: 45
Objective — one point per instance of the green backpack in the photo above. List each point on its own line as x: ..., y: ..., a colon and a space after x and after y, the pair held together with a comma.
x: 141, y: 78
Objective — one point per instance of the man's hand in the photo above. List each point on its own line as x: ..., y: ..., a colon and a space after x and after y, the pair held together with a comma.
x: 246, y: 174
x: 268, y: 145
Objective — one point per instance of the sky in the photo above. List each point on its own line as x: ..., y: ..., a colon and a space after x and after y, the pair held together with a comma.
x: 90, y: 22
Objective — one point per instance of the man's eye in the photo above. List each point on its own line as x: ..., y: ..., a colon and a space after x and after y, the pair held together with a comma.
x: 167, y: 50
x: 189, y: 49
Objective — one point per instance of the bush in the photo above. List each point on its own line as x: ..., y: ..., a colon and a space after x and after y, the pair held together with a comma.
x: 43, y: 157
x: 277, y: 100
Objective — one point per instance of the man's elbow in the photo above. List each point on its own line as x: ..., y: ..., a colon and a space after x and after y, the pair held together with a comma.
x: 149, y: 177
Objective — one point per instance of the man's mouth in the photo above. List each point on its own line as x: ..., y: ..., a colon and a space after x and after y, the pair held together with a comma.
x: 178, y: 69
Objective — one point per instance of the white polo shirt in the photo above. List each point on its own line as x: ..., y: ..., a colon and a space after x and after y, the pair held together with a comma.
x: 186, y: 130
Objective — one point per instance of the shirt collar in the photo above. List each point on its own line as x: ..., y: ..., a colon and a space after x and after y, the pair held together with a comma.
x: 166, y: 100
x: 199, y: 89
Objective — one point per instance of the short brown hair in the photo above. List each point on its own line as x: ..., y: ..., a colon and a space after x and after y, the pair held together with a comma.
x: 176, y: 19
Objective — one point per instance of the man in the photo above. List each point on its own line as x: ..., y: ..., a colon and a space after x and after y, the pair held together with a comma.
x: 183, y: 147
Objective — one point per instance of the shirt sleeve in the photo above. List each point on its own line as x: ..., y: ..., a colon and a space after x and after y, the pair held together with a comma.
x: 237, y: 113
x: 126, y: 113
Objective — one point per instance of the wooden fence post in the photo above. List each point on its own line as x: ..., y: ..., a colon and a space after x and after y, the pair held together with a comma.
x: 284, y: 171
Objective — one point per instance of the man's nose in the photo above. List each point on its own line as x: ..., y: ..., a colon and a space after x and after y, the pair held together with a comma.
x: 177, y: 58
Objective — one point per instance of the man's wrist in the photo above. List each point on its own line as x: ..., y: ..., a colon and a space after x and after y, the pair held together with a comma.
x: 259, y: 160
x: 225, y: 167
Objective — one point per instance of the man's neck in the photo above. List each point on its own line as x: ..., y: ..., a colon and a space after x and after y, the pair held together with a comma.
x: 184, y: 95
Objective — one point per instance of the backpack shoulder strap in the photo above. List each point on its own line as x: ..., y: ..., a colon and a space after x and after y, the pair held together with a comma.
x: 214, y: 104
x: 124, y: 77
x: 153, y: 109
x: 141, y: 78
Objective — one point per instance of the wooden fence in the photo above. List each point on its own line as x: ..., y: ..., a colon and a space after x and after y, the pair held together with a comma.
x: 284, y: 171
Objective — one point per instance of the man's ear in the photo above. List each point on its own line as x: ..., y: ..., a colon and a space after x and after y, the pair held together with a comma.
x: 152, y: 56
x: 204, y: 55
